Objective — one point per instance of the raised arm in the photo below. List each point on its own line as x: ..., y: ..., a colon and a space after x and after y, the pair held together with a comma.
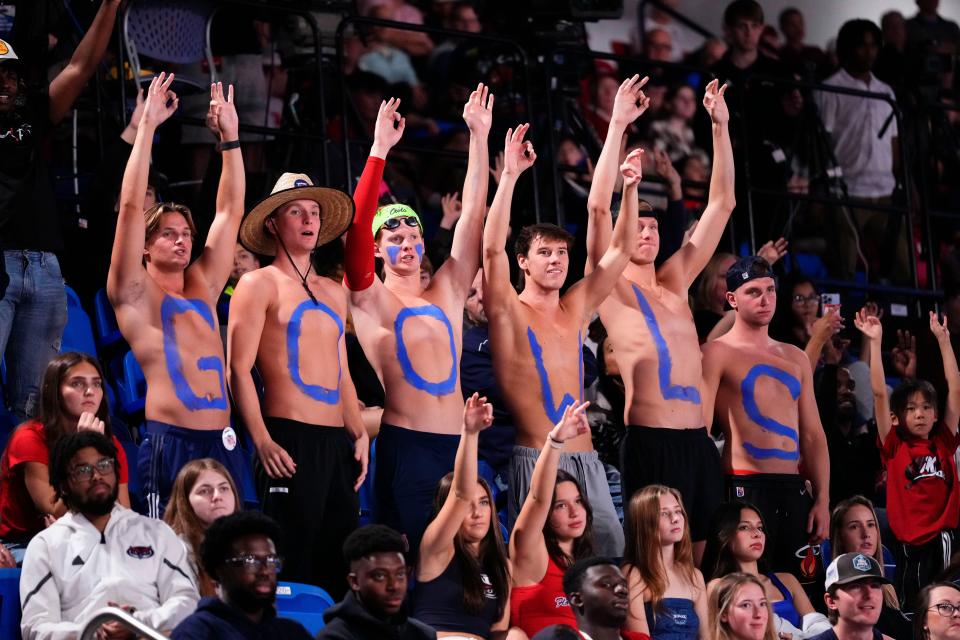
x: 872, y: 331
x: 217, y: 259
x: 816, y: 457
x: 629, y: 104
x: 518, y: 157
x: 465, y: 252
x: 68, y: 84
x: 951, y: 412
x: 359, y: 262
x: 687, y: 263
x: 125, y: 280
x: 436, y: 546
x: 527, y: 546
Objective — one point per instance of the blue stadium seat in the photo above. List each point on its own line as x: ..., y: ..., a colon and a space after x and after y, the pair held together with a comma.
x: 133, y: 390
x: 78, y: 332
x: 10, y: 604
x: 304, y: 603
x: 105, y: 322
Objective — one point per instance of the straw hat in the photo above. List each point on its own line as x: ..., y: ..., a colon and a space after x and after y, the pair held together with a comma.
x: 336, y: 212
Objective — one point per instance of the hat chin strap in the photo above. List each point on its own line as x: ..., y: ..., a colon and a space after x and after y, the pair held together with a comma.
x: 306, y: 274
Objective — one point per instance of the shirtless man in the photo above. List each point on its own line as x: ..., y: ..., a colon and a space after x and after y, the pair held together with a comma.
x: 412, y: 336
x: 651, y: 326
x: 760, y: 392
x: 165, y: 305
x: 289, y: 322
x: 538, y: 335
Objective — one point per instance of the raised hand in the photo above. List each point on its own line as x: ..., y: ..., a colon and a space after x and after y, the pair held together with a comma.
x: 665, y: 168
x: 222, y: 117
x: 873, y: 309
x: 868, y: 325
x: 478, y: 111
x: 90, y: 422
x: 715, y: 103
x: 824, y: 327
x: 518, y: 155
x: 939, y: 327
x: 477, y: 414
x: 773, y: 250
x: 497, y: 168
x: 389, y: 128
x: 905, y: 355
x: 452, y: 209
x: 630, y: 101
x: 631, y: 170
x: 572, y: 424
x: 833, y: 350
x: 160, y: 102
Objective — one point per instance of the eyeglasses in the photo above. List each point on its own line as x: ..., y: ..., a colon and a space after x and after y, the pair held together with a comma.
x: 806, y: 299
x: 946, y: 609
x: 252, y: 563
x: 393, y: 223
x: 84, y: 472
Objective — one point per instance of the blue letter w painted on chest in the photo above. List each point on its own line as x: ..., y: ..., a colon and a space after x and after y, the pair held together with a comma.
x: 748, y: 391
x: 664, y: 363
x: 554, y: 412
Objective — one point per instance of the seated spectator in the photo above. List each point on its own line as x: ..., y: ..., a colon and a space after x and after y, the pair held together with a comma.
x: 668, y: 598
x: 71, y: 400
x: 737, y: 545
x: 658, y: 46
x: 739, y: 610
x: 674, y: 133
x: 854, y: 594
x: 202, y: 492
x: 553, y: 530
x: 463, y: 580
x: 603, y: 90
x: 373, y: 608
x: 710, y: 296
x: 389, y: 57
x: 854, y: 528
x: 796, y: 319
x: 683, y: 39
x: 943, y: 598
x: 416, y: 43
x: 801, y: 58
x: 100, y: 554
x: 239, y: 552
x: 916, y: 446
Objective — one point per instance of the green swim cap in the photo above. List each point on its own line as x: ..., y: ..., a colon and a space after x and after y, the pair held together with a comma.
x: 390, y: 211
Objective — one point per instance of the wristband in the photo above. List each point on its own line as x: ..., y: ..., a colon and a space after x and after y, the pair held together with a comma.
x: 556, y: 444
x: 227, y: 146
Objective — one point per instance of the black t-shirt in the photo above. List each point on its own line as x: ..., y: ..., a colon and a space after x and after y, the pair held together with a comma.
x: 28, y: 210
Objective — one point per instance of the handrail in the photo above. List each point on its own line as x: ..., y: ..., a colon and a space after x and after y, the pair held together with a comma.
x: 111, y: 614
x: 673, y: 13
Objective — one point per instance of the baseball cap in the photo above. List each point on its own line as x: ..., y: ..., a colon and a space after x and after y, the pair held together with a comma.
x: 746, y: 269
x: 7, y: 54
x: 853, y: 567
x: 390, y: 211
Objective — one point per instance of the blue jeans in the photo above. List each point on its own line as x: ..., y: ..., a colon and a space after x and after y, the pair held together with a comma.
x: 32, y: 316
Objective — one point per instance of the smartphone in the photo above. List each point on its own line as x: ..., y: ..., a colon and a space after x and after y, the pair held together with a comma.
x: 830, y: 301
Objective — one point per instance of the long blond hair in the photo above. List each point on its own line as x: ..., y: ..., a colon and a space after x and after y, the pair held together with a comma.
x: 724, y: 593
x: 836, y: 542
x: 642, y: 552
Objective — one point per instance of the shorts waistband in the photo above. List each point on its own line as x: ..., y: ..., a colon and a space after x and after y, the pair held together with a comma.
x: 419, y: 437
x: 533, y: 454
x: 669, y: 432
x: 288, y: 423
x: 157, y: 428
x: 786, y: 480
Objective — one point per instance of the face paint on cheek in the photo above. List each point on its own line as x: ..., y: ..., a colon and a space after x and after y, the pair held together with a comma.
x: 393, y: 253
x: 419, y: 248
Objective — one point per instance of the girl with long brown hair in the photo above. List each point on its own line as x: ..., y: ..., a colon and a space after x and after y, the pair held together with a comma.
x: 668, y: 598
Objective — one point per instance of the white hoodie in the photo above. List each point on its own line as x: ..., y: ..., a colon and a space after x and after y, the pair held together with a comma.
x: 70, y: 570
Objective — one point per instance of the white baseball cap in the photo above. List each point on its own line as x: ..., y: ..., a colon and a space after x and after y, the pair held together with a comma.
x: 6, y: 52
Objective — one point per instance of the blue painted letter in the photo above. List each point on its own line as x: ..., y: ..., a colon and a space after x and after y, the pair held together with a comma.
x: 438, y: 389
x: 170, y: 308
x: 553, y: 412
x: 315, y: 391
x: 753, y: 411
x: 665, y: 364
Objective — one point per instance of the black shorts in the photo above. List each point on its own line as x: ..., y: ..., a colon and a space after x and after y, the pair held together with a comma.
x: 317, y: 508
x: 684, y: 459
x: 784, y: 503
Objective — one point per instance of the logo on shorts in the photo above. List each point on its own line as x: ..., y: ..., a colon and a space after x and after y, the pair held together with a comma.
x: 560, y: 601
x: 740, y: 492
x: 488, y: 591
x: 860, y: 563
x: 300, y: 182
x: 229, y: 438
x: 140, y: 553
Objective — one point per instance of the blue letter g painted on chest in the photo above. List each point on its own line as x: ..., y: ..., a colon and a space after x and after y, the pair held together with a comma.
x: 668, y: 390
x: 170, y: 308
x: 747, y: 390
x: 417, y: 381
x: 315, y: 391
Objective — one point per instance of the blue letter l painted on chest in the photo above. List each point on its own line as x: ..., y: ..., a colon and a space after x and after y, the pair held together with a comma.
x: 554, y: 412
x: 668, y: 390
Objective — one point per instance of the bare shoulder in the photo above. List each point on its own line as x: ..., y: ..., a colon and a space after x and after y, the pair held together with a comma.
x: 698, y: 580
x: 716, y: 348
x: 263, y: 281
x: 789, y: 581
x: 790, y: 352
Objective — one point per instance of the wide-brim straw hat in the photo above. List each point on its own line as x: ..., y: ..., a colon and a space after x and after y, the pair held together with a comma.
x: 336, y: 212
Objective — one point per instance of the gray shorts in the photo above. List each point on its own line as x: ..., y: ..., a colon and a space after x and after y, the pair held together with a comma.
x: 590, y: 473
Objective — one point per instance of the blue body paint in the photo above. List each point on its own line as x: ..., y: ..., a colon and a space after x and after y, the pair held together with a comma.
x: 442, y: 388
x: 315, y: 391
x: 170, y: 308
x: 747, y: 388
x: 665, y: 363
x: 555, y: 413
x: 419, y: 248
x: 393, y: 252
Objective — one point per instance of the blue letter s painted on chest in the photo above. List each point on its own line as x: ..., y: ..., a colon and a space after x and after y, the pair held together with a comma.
x: 315, y: 391
x: 747, y: 390
x: 170, y: 308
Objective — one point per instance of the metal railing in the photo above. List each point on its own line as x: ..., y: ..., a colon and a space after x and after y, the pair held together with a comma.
x: 673, y: 13
x: 113, y: 614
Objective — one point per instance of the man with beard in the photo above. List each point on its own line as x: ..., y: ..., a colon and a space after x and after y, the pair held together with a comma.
x: 100, y: 554
x: 239, y: 552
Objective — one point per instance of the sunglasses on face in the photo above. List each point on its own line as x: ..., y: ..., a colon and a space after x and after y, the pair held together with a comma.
x: 393, y: 223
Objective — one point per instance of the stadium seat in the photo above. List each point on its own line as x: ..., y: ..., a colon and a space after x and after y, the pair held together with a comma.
x: 133, y: 390
x: 78, y: 332
x: 10, y: 604
x: 105, y: 321
x: 304, y: 603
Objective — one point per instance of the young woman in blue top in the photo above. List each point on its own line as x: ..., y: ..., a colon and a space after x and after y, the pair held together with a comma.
x: 463, y: 578
x: 668, y: 599
x: 738, y: 544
